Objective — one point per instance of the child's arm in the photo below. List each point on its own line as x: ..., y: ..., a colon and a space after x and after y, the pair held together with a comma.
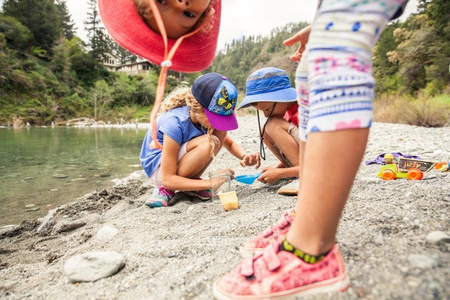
x: 169, y: 168
x: 237, y: 151
x: 272, y: 175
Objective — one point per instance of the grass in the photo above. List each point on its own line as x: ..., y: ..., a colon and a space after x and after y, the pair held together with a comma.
x: 420, y: 111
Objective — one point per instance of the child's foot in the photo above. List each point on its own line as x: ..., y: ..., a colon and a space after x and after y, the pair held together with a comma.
x: 160, y: 197
x: 276, y: 233
x: 280, y: 274
x: 202, y: 195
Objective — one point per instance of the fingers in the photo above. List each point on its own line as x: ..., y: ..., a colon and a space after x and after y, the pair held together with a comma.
x: 292, y: 40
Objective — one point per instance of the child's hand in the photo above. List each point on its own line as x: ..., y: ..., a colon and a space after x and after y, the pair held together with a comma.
x: 251, y: 160
x: 217, y: 180
x: 300, y: 37
x: 271, y: 175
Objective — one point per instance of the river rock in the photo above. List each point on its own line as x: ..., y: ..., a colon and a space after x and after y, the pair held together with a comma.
x: 93, y: 266
x: 106, y: 233
x: 437, y: 237
x: 421, y: 261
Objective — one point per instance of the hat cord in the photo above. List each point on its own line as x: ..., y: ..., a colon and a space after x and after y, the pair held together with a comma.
x: 165, y: 65
x: 262, y: 151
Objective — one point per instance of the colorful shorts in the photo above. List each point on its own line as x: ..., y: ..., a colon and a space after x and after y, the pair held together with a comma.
x: 334, y: 77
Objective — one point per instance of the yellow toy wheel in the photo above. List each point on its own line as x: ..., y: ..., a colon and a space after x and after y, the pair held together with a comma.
x: 388, y: 175
x: 414, y: 174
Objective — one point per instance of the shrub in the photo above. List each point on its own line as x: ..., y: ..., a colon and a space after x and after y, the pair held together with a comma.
x: 423, y: 111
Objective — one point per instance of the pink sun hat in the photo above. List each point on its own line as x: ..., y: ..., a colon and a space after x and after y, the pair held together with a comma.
x: 195, y: 53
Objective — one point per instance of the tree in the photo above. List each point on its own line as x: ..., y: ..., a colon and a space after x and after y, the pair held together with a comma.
x: 67, y: 24
x: 98, y: 40
x: 122, y: 54
x: 101, y: 97
x: 16, y: 35
x: 39, y: 16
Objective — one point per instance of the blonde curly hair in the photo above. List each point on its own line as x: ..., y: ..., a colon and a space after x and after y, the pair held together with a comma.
x: 145, y: 11
x: 183, y: 96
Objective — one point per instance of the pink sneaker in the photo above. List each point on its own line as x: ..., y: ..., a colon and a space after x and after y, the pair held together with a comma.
x: 276, y: 233
x: 280, y: 274
x: 160, y: 197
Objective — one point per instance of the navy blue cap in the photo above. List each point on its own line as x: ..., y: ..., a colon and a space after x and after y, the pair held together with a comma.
x: 218, y: 96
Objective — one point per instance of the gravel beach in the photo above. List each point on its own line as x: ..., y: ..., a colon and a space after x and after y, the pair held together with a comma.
x: 394, y: 235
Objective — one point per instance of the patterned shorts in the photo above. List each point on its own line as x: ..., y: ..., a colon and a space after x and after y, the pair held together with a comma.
x: 334, y: 77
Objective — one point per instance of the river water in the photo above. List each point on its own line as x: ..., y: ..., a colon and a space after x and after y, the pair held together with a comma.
x: 41, y: 168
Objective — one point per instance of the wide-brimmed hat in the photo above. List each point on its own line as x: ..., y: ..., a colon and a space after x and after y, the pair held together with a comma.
x: 218, y: 96
x: 268, y: 85
x: 195, y: 53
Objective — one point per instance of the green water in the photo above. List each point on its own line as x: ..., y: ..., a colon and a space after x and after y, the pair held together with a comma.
x: 41, y: 168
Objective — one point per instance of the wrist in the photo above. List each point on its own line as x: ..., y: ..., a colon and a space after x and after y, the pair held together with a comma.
x: 243, y: 155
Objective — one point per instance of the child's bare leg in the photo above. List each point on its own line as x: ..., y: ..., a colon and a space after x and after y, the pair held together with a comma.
x: 330, y: 164
x: 277, y: 134
x: 198, y: 156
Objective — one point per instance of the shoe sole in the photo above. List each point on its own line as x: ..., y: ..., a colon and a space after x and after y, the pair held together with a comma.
x: 193, y: 194
x: 337, y: 284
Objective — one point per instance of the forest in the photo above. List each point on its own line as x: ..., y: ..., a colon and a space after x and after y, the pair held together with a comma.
x: 48, y: 74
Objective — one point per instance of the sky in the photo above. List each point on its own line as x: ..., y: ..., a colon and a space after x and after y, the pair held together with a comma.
x: 240, y: 17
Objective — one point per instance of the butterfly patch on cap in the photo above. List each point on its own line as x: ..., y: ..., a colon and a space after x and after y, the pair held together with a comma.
x: 224, y: 99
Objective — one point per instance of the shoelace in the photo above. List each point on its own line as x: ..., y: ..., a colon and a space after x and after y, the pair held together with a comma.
x: 165, y: 65
x: 164, y: 192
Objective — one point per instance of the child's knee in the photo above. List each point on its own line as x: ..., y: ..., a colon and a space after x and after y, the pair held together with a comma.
x: 275, y: 126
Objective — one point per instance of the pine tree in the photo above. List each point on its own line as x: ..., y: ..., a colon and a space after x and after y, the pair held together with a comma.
x: 98, y: 39
x: 67, y: 24
x: 40, y: 16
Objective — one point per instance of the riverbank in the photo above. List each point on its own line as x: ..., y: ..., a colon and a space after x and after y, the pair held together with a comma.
x: 177, y: 252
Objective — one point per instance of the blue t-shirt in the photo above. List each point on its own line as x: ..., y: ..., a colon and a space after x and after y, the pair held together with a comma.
x: 176, y: 124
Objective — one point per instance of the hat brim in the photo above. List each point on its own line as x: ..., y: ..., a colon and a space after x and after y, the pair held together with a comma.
x: 284, y: 95
x: 223, y: 123
x: 123, y: 22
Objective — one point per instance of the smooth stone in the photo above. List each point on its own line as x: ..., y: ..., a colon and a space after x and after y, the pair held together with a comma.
x: 447, y: 198
x: 421, y: 261
x: 60, y: 176
x: 379, y: 241
x: 437, y: 237
x: 134, y: 166
x: 79, y: 179
x: 29, y: 178
x: 53, y: 190
x: 30, y: 205
x: 106, y: 232
x: 93, y: 266
x: 32, y: 209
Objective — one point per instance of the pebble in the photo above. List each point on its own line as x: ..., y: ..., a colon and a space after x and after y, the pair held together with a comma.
x: 379, y: 241
x: 437, y: 237
x: 59, y: 176
x: 92, y: 266
x: 32, y: 209
x: 447, y: 198
x: 106, y: 233
x: 79, y: 180
x: 421, y: 261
